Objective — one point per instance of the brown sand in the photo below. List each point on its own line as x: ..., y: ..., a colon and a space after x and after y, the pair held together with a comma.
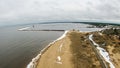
x: 62, y: 53
x: 115, y: 57
x: 50, y: 58
x: 112, y: 45
x: 84, y: 55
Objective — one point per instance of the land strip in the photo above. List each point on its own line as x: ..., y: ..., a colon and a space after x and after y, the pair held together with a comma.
x: 73, y: 51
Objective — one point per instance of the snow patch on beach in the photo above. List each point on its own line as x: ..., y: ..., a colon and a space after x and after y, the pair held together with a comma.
x: 85, y: 30
x: 103, y: 52
x: 90, y: 37
x: 59, y: 60
x: 59, y: 57
x: 24, y: 28
x: 62, y: 36
x: 60, y: 48
x: 100, y: 33
x: 34, y: 61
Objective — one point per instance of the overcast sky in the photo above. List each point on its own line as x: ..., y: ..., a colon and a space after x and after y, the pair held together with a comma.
x: 29, y: 11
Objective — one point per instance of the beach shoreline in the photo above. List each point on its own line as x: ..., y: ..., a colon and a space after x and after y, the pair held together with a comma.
x: 34, y: 61
x: 75, y: 49
x: 65, y: 53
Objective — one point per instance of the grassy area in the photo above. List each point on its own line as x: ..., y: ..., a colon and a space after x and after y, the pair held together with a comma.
x: 110, y: 37
x: 84, y: 56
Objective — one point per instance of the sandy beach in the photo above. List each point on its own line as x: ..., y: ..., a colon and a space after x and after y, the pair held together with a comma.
x: 58, y: 55
x: 69, y: 52
x: 75, y: 49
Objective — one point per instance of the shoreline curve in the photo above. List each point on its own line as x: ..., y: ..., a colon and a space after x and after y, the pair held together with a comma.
x: 34, y: 61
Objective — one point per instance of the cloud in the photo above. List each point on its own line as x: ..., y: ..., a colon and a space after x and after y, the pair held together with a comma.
x: 61, y: 10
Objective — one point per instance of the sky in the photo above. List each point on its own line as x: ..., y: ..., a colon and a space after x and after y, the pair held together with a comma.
x: 33, y: 11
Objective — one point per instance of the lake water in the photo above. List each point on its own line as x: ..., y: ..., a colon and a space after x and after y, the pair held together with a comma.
x: 17, y: 48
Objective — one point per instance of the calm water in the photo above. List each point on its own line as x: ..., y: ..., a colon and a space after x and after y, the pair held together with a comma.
x: 17, y: 48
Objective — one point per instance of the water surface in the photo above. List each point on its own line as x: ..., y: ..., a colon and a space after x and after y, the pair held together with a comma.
x: 17, y: 48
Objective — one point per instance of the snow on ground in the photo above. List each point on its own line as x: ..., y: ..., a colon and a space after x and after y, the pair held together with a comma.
x: 90, y: 37
x: 100, y: 33
x: 102, y: 51
x: 59, y: 60
x: 58, y: 57
x: 60, y: 48
x: 62, y: 35
x: 33, y: 63
x: 23, y: 28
